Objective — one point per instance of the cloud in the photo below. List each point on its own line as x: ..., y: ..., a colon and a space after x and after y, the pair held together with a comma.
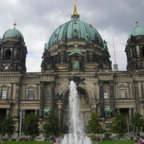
x: 38, y: 19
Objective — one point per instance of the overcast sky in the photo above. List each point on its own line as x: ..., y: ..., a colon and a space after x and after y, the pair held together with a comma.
x: 37, y: 19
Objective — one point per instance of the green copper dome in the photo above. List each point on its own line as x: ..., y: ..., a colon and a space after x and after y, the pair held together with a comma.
x: 137, y: 31
x: 75, y: 30
x: 13, y: 33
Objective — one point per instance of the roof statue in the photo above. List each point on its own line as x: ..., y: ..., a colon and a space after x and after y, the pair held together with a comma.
x: 46, y: 112
x: 107, y: 111
x: 59, y: 94
x: 77, y: 80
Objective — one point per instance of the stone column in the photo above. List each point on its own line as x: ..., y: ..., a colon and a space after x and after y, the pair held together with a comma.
x: 36, y: 112
x: 24, y: 114
x: 17, y: 106
x: 14, y: 92
x: 137, y: 97
x: 112, y: 105
x: 11, y: 91
x: 134, y: 110
x: 41, y: 100
x: 59, y: 104
x: 0, y: 92
x: 52, y: 97
x: 130, y: 114
x: 7, y: 112
x: 17, y: 98
x: 101, y: 99
x: 142, y: 90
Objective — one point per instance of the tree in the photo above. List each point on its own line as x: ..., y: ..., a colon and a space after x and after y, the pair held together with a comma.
x: 31, y: 126
x: 119, y: 125
x: 137, y: 121
x: 52, y: 126
x: 94, y: 125
x: 7, y: 126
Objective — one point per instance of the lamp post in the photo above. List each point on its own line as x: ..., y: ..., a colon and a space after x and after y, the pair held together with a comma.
x: 20, y: 124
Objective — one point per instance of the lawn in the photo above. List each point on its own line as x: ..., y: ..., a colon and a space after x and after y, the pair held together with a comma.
x: 100, y: 142
x: 28, y: 142
x: 117, y: 142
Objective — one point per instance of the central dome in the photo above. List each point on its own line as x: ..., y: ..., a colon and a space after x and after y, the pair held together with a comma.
x: 75, y: 30
x: 76, y: 46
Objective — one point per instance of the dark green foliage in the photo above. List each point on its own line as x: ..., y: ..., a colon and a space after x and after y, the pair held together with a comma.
x: 106, y: 135
x: 138, y: 122
x: 52, y: 126
x: 31, y: 126
x: 94, y: 125
x: 119, y: 125
x: 7, y: 126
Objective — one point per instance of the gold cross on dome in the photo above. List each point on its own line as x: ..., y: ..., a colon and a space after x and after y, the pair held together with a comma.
x: 75, y: 2
x: 14, y: 25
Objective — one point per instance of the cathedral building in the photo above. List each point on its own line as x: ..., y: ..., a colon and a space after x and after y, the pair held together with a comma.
x: 75, y: 51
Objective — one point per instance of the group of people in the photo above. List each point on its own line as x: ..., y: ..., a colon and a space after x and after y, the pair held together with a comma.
x: 138, y: 141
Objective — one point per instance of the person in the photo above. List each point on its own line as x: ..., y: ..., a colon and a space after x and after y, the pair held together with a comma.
x: 138, y: 138
x: 57, y: 140
x: 61, y: 139
x: 2, y: 141
x: 141, y: 142
x: 127, y: 138
x: 96, y: 142
x: 135, y: 141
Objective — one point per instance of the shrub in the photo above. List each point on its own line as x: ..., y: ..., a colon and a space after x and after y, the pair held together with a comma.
x: 106, y: 135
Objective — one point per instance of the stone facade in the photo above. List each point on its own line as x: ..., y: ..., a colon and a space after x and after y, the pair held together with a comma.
x: 121, y: 91
x: 32, y: 92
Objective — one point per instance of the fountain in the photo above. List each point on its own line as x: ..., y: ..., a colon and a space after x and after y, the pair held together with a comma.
x: 77, y: 135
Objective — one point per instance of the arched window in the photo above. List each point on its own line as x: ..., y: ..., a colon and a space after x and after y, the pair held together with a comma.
x: 4, y: 94
x: 123, y: 93
x: 31, y: 95
x: 8, y: 54
x: 105, y: 95
x: 76, y: 65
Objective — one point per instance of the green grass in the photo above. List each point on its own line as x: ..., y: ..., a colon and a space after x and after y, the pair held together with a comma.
x: 100, y: 142
x: 27, y: 142
x: 116, y: 142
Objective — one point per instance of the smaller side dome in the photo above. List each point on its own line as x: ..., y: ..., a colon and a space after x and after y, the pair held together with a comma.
x: 136, y: 31
x: 13, y: 33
